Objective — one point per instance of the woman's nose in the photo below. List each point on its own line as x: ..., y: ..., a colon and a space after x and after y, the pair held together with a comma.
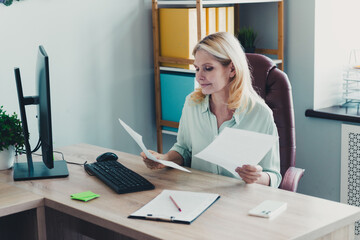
x: 199, y: 78
x: 199, y: 75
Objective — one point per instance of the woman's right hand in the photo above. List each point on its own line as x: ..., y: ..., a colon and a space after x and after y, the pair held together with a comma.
x: 152, y: 164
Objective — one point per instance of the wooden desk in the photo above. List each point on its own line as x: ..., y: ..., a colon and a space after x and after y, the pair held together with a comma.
x: 23, y: 209
x: 106, y: 217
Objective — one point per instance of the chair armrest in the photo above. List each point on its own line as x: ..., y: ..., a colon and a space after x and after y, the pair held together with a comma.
x: 291, y: 179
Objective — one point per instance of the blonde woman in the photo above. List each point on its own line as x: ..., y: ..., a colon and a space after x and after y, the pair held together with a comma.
x: 225, y: 98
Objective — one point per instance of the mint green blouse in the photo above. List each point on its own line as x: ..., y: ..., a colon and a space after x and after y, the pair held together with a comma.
x: 198, y: 128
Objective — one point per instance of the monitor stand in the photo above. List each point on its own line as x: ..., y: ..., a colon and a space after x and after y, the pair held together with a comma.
x: 21, y: 171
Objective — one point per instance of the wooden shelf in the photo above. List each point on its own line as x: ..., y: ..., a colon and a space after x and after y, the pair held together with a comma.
x: 277, y: 61
x: 172, y: 69
x: 169, y: 132
x: 175, y: 60
x: 193, y: 3
x: 182, y: 70
x: 200, y: 4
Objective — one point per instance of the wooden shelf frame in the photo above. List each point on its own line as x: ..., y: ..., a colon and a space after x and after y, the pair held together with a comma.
x: 209, y: 3
x: 199, y: 4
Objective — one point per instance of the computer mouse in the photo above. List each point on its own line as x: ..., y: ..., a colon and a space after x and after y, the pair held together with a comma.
x: 108, y: 156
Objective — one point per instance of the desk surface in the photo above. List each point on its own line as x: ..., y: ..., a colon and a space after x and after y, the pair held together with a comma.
x: 14, y: 200
x: 305, y: 218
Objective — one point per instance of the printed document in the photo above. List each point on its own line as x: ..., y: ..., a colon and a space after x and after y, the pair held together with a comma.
x: 138, y: 139
x: 236, y: 147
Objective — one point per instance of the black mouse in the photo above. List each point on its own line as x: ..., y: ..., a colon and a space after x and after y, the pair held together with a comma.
x: 108, y: 156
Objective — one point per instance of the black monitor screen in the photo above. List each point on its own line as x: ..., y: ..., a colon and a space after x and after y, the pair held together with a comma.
x: 44, y: 109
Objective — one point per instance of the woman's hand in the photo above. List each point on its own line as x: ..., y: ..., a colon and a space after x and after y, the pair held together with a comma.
x: 152, y: 164
x: 253, y: 174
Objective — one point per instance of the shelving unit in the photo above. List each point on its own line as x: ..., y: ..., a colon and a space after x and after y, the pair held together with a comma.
x: 200, y: 4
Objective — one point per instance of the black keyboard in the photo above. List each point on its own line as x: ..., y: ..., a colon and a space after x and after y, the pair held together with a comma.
x: 118, y: 177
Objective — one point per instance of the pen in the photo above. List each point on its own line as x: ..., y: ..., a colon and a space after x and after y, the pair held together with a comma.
x: 177, y: 206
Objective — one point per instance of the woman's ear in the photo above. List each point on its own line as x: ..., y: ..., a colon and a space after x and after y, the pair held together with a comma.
x: 232, y: 70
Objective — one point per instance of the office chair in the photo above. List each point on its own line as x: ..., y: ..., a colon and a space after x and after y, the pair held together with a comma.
x: 274, y: 87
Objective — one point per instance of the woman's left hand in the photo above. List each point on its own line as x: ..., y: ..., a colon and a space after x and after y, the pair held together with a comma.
x: 250, y: 173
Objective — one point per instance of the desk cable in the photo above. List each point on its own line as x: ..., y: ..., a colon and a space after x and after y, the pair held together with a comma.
x: 74, y: 163
x: 62, y: 156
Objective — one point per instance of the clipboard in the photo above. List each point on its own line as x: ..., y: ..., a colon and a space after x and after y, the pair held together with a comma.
x: 162, y: 208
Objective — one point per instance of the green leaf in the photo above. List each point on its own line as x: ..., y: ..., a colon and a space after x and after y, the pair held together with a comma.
x: 247, y: 37
x: 11, y: 131
x: 8, y: 2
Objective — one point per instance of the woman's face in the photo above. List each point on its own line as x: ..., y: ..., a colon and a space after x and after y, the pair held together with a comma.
x: 210, y: 74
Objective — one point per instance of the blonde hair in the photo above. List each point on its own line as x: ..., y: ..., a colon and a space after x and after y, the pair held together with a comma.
x: 226, y: 49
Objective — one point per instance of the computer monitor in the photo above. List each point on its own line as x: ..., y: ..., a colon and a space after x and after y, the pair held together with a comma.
x: 48, y: 168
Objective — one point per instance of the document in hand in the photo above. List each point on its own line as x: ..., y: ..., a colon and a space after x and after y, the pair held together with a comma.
x: 182, y: 207
x: 235, y: 147
x: 138, y: 139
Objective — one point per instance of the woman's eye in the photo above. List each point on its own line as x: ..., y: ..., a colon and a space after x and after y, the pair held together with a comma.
x: 197, y: 69
x: 208, y: 69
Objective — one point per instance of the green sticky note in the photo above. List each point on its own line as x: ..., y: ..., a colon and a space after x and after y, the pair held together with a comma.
x: 84, y: 196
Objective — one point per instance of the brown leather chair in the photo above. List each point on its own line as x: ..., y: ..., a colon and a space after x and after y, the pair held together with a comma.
x: 274, y: 87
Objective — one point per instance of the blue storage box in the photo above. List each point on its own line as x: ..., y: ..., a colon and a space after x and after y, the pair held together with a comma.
x: 175, y: 86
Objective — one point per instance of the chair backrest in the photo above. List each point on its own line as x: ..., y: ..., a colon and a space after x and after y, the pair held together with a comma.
x: 274, y: 87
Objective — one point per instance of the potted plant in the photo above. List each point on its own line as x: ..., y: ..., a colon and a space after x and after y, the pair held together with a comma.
x: 7, y: 2
x: 247, y: 37
x: 11, y: 138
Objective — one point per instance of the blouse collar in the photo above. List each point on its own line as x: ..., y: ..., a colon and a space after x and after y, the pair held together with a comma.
x: 205, y: 107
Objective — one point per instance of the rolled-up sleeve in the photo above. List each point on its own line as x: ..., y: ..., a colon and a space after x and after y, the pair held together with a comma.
x: 271, y: 162
x: 183, y: 144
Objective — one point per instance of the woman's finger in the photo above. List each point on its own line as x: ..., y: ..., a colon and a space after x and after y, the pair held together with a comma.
x: 248, y: 180
x: 252, y: 168
x: 242, y: 171
x: 248, y: 176
x: 254, y: 177
x: 153, y: 165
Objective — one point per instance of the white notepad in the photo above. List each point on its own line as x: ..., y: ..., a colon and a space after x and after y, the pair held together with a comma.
x: 162, y: 208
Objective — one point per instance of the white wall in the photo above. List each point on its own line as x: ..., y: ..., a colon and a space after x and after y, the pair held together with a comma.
x: 336, y: 33
x: 101, y: 67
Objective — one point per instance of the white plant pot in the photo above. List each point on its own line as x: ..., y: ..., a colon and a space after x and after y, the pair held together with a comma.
x: 7, y: 158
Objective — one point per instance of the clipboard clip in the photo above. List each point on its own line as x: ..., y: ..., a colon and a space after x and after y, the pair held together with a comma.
x: 160, y: 218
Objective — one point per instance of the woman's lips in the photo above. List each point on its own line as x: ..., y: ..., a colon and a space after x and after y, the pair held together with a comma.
x: 205, y: 85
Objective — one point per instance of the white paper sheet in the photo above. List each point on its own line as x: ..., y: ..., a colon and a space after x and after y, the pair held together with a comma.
x: 235, y: 147
x: 192, y: 205
x: 138, y: 139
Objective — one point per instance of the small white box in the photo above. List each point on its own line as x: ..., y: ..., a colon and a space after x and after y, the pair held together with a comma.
x: 268, y: 209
